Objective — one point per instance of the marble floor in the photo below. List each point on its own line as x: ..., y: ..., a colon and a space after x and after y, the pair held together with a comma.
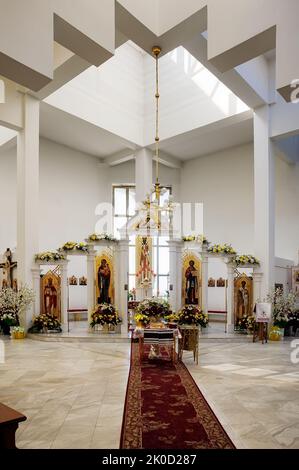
x: 73, y: 393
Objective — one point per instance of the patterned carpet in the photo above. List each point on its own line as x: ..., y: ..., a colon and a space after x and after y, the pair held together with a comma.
x: 164, y: 409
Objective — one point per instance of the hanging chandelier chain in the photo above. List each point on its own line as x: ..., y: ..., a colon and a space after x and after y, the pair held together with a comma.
x: 156, y: 51
x: 157, y: 95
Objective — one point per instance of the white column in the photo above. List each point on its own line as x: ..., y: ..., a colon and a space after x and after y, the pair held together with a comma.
x: 28, y: 194
x: 230, y: 318
x: 257, y: 285
x: 175, y: 273
x: 123, y: 279
x: 264, y: 205
x: 204, y: 281
x: 36, y: 288
x: 143, y: 173
x: 90, y: 283
x: 64, y: 295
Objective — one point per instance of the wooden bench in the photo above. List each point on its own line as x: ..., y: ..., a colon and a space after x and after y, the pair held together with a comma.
x: 9, y: 422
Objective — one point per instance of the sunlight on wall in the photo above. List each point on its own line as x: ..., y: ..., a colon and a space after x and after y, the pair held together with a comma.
x: 221, y: 96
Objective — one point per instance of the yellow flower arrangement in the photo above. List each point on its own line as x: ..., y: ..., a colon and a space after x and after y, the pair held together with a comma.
x: 222, y: 249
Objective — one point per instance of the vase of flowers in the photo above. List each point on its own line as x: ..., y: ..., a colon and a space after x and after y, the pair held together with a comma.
x: 246, y: 324
x: 152, y: 310
x: 44, y: 323
x: 192, y: 316
x: 283, y: 307
x: 106, y: 316
x: 12, y: 306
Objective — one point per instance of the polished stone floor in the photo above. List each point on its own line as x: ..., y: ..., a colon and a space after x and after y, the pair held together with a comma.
x: 73, y: 393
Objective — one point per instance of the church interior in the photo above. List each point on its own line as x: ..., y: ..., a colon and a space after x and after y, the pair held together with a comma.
x: 149, y: 224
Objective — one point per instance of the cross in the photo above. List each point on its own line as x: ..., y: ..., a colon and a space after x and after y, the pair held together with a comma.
x: 8, y: 266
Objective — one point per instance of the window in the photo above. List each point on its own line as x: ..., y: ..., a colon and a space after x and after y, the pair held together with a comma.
x: 124, y: 208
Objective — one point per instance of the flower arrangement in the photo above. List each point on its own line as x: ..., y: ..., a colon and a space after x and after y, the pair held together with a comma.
x: 72, y: 246
x: 246, y: 323
x: 13, y: 304
x: 155, y: 308
x: 105, y: 314
x: 222, y: 249
x: 49, y: 256
x: 95, y: 237
x: 198, y: 238
x: 45, y: 321
x: 141, y: 318
x: 245, y: 259
x: 283, y: 307
x: 192, y: 315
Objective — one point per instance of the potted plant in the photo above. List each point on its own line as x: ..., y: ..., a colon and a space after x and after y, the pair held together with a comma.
x: 106, y: 316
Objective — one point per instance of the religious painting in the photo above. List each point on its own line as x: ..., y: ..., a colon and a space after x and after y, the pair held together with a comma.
x: 191, y: 277
x: 221, y: 282
x: 295, y: 280
x: 278, y: 286
x: 243, y: 296
x: 144, y: 272
x: 73, y: 281
x: 104, y: 275
x: 211, y: 282
x: 83, y: 281
x: 51, y: 293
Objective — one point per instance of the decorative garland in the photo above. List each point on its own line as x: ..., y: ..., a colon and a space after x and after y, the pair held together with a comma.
x: 196, y: 238
x: 222, y: 249
x: 245, y: 259
x: 74, y: 246
x: 95, y: 237
x: 49, y: 256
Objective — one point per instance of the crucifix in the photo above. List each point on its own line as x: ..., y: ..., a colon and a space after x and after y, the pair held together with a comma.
x: 8, y: 266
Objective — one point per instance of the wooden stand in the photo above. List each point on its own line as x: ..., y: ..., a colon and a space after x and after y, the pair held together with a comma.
x: 260, y: 332
x: 9, y: 422
x: 189, y: 342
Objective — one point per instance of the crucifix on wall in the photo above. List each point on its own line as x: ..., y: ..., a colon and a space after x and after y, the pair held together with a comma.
x: 8, y: 267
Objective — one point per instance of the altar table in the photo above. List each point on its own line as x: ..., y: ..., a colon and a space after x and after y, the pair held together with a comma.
x: 157, y: 337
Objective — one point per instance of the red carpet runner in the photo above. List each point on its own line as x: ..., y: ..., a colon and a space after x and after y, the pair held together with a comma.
x: 164, y: 409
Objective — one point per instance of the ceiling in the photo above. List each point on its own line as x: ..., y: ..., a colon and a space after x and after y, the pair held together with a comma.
x: 220, y: 135
x: 69, y: 130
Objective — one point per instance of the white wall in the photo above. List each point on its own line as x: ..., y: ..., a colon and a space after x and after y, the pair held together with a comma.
x: 223, y: 182
x: 287, y: 209
x: 8, y: 198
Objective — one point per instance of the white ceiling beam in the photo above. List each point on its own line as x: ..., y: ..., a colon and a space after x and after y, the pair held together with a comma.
x: 168, y: 160
x: 119, y: 158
